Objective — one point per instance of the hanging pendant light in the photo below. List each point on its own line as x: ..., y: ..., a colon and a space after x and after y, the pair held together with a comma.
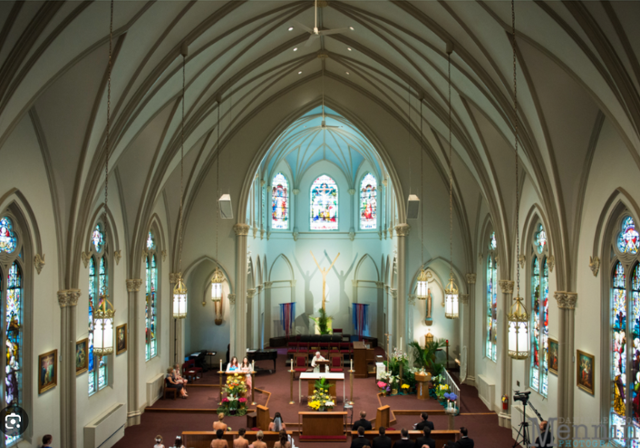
x: 180, y: 290
x: 103, y: 317
x: 216, y: 285
x: 518, y: 319
x: 422, y: 286
x: 451, y: 291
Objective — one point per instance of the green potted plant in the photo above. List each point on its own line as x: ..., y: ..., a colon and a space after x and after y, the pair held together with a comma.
x: 322, y: 322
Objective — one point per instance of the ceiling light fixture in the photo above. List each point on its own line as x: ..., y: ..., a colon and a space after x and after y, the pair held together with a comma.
x: 295, y: 49
x: 351, y: 28
x: 290, y: 28
x: 349, y: 48
x: 347, y: 73
x: 299, y: 73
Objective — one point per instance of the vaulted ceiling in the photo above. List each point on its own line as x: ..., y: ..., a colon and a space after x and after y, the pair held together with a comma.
x: 577, y: 66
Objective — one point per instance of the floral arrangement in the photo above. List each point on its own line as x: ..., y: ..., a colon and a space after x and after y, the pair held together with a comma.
x: 385, y: 388
x: 234, y: 403
x: 321, y: 400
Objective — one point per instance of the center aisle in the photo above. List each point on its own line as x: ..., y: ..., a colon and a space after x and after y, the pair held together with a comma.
x: 197, y: 413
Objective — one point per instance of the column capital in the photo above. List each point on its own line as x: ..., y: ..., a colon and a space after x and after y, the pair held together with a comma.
x: 68, y: 297
x: 380, y: 285
x: 259, y: 288
x: 133, y: 284
x: 268, y: 285
x: 566, y: 300
x: 241, y: 229
x: 173, y: 277
x: 403, y: 229
x: 394, y: 294
x: 506, y: 286
x: 471, y: 278
x: 464, y: 298
x: 232, y: 299
x: 251, y: 293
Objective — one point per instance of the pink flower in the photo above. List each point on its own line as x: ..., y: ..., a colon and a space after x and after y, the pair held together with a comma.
x: 242, y: 400
x: 381, y: 385
x: 225, y: 400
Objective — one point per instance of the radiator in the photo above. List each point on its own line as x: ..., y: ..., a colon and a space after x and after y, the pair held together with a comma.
x: 154, y: 389
x: 107, y: 429
x: 486, y: 391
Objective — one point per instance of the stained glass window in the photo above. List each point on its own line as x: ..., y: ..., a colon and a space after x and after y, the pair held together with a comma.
x: 628, y: 239
x: 151, y: 342
x: 324, y: 204
x: 539, y: 380
x: 368, y: 202
x: 280, y: 202
x: 619, y: 353
x: 540, y: 239
x: 98, y: 291
x: 491, y: 350
x: 151, y: 242
x: 8, y: 240
x: 635, y: 335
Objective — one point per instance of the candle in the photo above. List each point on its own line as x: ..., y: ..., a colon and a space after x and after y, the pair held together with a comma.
x: 401, y: 343
x: 351, y: 363
x: 253, y: 366
x: 221, y: 365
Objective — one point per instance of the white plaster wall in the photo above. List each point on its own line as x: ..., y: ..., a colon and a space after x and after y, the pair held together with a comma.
x: 23, y: 169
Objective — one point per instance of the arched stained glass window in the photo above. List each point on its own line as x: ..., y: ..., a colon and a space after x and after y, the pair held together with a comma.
x: 539, y: 368
x: 491, y: 342
x: 368, y: 202
x: 619, y: 353
x: 280, y: 202
x: 12, y: 298
x: 635, y: 361
x: 98, y: 290
x: 151, y: 302
x: 628, y: 239
x: 324, y: 204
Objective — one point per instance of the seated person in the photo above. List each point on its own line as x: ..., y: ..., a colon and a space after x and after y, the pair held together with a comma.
x: 426, y: 440
x: 360, y: 441
x: 241, y: 442
x: 178, y: 378
x: 382, y: 441
x: 277, y: 424
x: 47, y: 440
x: 233, y: 366
x: 219, y: 442
x: 158, y: 442
x: 178, y: 442
x: 544, y: 440
x: 258, y: 443
x: 404, y: 441
x: 284, y: 440
x: 220, y: 424
x: 424, y: 423
x: 316, y: 358
x: 173, y: 385
x: 366, y: 424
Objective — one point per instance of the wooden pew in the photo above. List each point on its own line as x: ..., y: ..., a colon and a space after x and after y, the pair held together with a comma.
x: 202, y: 439
x: 440, y: 436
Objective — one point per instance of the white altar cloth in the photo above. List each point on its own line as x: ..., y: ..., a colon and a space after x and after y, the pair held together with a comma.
x: 317, y: 376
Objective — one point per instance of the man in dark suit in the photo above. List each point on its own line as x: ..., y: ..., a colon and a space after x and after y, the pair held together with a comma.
x: 382, y: 441
x: 544, y: 440
x: 404, y: 442
x: 425, y: 423
x: 426, y: 440
x: 363, y: 422
x: 465, y: 441
x: 360, y: 441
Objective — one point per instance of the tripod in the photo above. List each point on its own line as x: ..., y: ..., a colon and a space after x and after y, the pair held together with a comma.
x: 522, y: 438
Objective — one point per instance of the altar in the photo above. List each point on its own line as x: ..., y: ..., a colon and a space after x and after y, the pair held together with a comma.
x: 311, y: 377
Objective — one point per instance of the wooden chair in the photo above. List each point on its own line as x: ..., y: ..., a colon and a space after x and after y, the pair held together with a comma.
x: 169, y: 390
x: 337, y: 363
x: 300, y: 362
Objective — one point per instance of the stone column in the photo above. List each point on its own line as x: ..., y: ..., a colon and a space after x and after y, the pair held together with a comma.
x: 267, y: 311
x: 259, y: 324
x: 68, y: 300
x: 133, y: 407
x: 471, y: 325
x: 402, y: 230
x: 239, y: 336
x: 394, y: 327
x: 174, y: 330
x: 566, y: 306
x: 504, y: 418
x: 250, y: 323
x: 352, y: 228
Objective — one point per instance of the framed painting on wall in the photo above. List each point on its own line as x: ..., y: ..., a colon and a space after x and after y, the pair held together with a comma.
x: 552, y: 354
x: 121, y: 339
x: 82, y: 360
x: 48, y: 374
x: 585, y: 377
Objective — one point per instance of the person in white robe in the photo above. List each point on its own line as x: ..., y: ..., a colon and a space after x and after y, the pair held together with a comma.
x: 316, y: 367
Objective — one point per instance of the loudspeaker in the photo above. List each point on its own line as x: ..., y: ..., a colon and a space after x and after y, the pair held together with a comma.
x: 226, y: 211
x: 413, y: 206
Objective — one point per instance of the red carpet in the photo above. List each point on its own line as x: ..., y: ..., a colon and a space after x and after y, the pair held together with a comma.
x: 483, y: 428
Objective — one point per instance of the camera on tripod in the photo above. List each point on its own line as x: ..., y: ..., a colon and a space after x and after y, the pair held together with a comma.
x: 521, y: 396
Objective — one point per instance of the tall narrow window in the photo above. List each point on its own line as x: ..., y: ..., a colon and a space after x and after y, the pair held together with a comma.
x: 12, y: 295
x: 368, y: 203
x: 98, y: 291
x: 625, y: 337
x: 151, y: 342
x: 280, y: 202
x: 491, y: 350
x: 324, y: 204
x: 539, y: 368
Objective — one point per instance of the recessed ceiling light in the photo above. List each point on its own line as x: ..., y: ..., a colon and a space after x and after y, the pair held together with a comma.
x: 351, y: 28
x: 347, y: 73
x: 299, y: 73
x: 295, y: 49
x: 349, y: 48
x: 290, y: 28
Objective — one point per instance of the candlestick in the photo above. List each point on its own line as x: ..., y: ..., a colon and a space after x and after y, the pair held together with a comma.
x: 221, y: 365
x: 401, y: 344
x: 351, y: 364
